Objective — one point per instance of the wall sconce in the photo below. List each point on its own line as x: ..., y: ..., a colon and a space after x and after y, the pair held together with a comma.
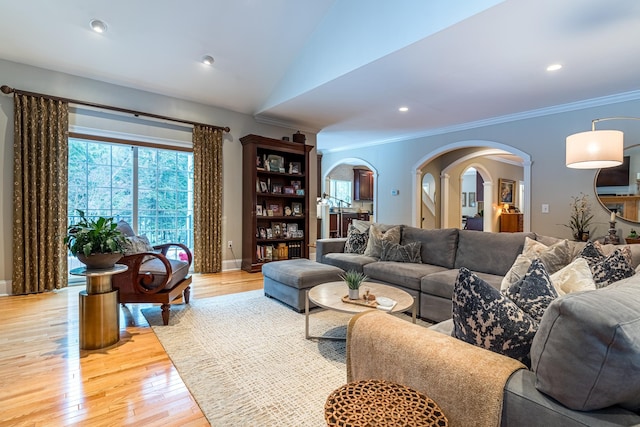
x: 596, y: 149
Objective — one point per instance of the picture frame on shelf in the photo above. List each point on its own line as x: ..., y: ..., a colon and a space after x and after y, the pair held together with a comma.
x: 277, y: 230
x: 263, y: 187
x: 289, y: 190
x: 506, y: 189
x: 269, y: 233
x: 296, y: 184
x: 295, y: 168
x: 269, y: 212
x: 259, y: 210
x: 300, y: 191
x: 263, y: 233
x: 276, y: 189
x: 276, y: 163
x: 276, y: 209
x: 292, y: 227
x: 288, y: 211
x: 296, y: 208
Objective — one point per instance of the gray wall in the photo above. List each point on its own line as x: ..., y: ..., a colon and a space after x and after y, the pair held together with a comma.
x: 43, y: 81
x: 542, y: 138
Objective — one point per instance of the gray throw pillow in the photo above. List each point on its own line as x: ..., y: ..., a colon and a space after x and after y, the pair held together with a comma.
x: 356, y: 241
x: 401, y: 253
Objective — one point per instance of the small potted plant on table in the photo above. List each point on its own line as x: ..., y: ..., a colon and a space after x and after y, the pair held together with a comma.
x: 354, y: 279
x: 96, y: 242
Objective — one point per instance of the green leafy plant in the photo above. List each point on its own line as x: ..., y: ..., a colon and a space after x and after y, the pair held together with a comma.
x: 94, y: 236
x: 353, y: 279
x: 581, y: 216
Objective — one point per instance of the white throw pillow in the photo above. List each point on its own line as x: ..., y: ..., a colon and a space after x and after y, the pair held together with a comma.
x: 575, y: 277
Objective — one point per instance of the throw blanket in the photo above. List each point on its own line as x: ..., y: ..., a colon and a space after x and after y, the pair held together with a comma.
x: 467, y: 382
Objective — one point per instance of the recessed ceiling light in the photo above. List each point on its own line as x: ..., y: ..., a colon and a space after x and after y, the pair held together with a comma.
x: 98, y: 26
x: 403, y: 109
x: 554, y: 67
x: 207, y: 60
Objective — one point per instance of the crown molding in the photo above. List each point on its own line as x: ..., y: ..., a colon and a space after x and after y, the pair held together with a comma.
x: 540, y: 112
x: 267, y: 120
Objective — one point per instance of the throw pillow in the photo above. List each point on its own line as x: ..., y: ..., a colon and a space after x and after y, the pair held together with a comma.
x: 534, y: 292
x: 401, y: 253
x: 377, y: 233
x: 124, y: 227
x: 138, y: 244
x: 611, y: 268
x: 484, y: 317
x: 553, y: 257
x: 591, y: 253
x: 356, y: 241
x: 575, y: 277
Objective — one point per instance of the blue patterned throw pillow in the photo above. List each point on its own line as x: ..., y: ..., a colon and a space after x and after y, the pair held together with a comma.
x: 356, y: 241
x: 534, y: 292
x: 610, y: 269
x: 484, y: 317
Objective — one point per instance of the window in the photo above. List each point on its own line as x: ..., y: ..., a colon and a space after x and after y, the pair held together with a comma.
x: 341, y: 190
x: 150, y: 188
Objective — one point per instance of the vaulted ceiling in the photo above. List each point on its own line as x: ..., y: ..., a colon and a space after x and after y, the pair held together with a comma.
x: 343, y: 68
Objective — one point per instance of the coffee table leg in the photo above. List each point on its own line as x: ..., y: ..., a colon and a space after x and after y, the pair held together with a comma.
x: 413, y: 310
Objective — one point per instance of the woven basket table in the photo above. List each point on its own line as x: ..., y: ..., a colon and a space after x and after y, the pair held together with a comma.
x: 381, y: 403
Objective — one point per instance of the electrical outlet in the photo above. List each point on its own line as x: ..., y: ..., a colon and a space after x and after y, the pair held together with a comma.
x: 230, y: 244
x: 545, y: 208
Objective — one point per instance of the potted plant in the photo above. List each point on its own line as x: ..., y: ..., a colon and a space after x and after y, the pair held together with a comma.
x: 580, y: 218
x: 96, y: 242
x: 354, y: 279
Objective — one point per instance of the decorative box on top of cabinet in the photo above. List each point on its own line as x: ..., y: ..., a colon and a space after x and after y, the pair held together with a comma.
x: 275, y: 201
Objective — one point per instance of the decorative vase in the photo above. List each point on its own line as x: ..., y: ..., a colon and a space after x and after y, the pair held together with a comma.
x: 354, y: 293
x: 99, y: 261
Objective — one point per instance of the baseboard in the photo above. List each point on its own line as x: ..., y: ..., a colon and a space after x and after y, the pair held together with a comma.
x: 5, y: 288
x: 231, y: 264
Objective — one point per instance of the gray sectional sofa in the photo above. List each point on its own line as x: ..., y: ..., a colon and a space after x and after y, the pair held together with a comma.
x: 443, y: 252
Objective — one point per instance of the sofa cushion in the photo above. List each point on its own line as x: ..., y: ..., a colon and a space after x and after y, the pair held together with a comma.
x: 401, y: 253
x: 484, y: 317
x: 378, y: 232
x: 356, y: 240
x: 441, y: 283
x: 347, y: 261
x: 585, y: 354
x: 407, y: 275
x: 492, y: 253
x: 438, y: 246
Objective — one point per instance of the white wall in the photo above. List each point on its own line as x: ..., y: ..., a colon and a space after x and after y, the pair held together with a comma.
x: 64, y: 85
x: 543, y: 138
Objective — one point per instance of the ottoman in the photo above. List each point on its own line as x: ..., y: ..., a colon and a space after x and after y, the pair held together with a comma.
x: 288, y: 280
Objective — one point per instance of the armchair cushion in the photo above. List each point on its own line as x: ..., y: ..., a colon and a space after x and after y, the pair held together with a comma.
x: 179, y: 269
x: 124, y: 227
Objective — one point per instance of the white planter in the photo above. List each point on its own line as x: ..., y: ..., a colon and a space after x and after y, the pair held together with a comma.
x: 354, y: 293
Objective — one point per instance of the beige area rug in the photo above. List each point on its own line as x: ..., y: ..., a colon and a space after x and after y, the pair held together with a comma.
x: 246, y: 361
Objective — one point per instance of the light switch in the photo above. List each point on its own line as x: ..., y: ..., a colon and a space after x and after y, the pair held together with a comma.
x: 545, y: 208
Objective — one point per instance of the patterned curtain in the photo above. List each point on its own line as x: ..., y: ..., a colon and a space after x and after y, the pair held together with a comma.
x: 39, y: 194
x: 207, y: 199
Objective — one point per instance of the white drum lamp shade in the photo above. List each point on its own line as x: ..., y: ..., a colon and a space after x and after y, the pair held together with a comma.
x: 595, y: 149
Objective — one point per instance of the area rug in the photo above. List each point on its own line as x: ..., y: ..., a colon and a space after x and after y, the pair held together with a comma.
x: 246, y: 361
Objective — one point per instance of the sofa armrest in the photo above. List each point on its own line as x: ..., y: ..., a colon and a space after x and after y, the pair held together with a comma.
x: 327, y: 246
x: 467, y: 382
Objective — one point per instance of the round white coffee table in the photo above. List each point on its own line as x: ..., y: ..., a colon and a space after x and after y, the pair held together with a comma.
x: 329, y: 296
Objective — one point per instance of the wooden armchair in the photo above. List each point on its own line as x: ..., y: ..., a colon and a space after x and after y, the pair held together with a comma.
x: 154, y: 278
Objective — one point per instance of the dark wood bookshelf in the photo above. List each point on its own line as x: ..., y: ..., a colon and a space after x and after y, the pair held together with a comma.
x: 275, y: 196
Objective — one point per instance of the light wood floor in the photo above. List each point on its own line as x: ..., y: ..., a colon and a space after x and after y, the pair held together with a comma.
x: 45, y: 380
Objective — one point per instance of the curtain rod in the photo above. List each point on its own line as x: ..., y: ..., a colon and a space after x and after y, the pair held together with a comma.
x: 7, y: 90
